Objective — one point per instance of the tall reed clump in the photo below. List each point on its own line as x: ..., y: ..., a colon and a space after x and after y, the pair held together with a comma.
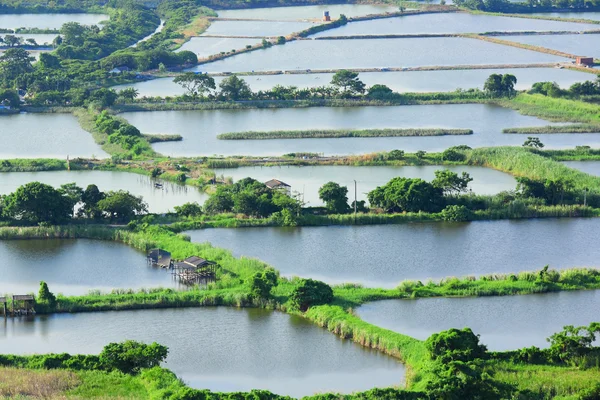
x: 541, y: 130
x: 340, y: 133
x: 524, y: 162
x: 554, y: 109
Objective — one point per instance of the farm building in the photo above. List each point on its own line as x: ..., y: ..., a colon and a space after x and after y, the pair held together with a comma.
x: 275, y: 184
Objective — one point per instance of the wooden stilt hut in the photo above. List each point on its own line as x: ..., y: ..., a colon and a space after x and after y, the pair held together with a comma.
x: 160, y: 258
x: 23, y: 304
x: 194, y: 270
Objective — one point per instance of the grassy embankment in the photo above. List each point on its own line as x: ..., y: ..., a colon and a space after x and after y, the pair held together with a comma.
x: 541, y: 130
x: 340, y: 133
x: 554, y: 109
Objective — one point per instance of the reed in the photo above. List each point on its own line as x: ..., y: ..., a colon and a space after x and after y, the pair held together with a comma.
x: 541, y: 130
x: 554, y: 109
x: 340, y: 133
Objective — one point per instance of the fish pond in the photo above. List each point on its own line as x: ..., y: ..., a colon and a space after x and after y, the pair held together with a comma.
x: 75, y: 267
x: 307, y: 12
x: 221, y: 349
x: 307, y: 180
x: 199, y: 129
x: 504, y: 323
x: 45, y: 135
x: 400, y: 81
x: 385, y: 255
x: 589, y: 167
x: 47, y: 21
x: 377, y: 53
x: 160, y: 199
x: 205, y: 47
x: 451, y: 23
x: 580, y: 45
x: 255, y: 28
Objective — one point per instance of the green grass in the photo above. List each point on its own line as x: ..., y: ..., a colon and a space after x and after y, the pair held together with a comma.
x: 540, y: 130
x: 32, y: 165
x: 339, y: 133
x: 554, y: 109
x: 163, y: 138
x: 100, y: 384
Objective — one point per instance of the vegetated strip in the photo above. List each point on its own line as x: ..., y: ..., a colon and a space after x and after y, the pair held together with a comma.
x: 542, y: 17
x: 540, y: 130
x: 554, y: 109
x: 341, y: 133
x: 162, y: 138
x: 539, y: 49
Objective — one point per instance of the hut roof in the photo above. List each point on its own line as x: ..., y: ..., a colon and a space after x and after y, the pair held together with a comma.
x: 197, y: 262
x: 22, y: 297
x: 159, y: 256
x: 275, y: 183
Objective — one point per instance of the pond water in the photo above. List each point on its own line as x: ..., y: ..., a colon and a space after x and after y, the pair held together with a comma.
x: 577, y: 15
x: 451, y: 23
x: 221, y: 349
x: 580, y: 45
x: 406, y: 81
x: 159, y: 200
x: 504, y: 323
x: 307, y: 12
x: 377, y: 53
x: 308, y: 180
x: 45, y: 135
x: 385, y: 255
x: 38, y: 37
x: 207, y: 46
x: 74, y: 267
x: 589, y: 167
x: 255, y: 28
x: 47, y: 21
x: 158, y: 30
x: 200, y: 128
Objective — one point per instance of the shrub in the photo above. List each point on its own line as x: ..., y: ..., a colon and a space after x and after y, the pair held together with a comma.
x: 310, y: 293
x: 455, y: 345
x: 131, y: 356
x: 456, y: 213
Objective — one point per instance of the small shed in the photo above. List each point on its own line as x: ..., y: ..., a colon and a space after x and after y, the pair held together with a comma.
x: 160, y: 258
x: 194, y: 270
x: 276, y: 184
x: 587, y: 61
x: 23, y: 304
x: 326, y: 16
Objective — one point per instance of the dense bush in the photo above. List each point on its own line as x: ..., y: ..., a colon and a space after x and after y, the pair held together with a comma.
x: 309, y: 292
x: 131, y: 356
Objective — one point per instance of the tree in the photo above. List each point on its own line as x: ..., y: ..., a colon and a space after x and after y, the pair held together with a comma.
x: 130, y: 356
x: 195, y: 84
x: 310, y: 293
x: 72, y: 193
x: 128, y: 94
x: 90, y: 198
x: 37, y: 202
x: 349, y: 83
x: 380, y: 92
x: 10, y: 97
x: 573, y: 343
x: 420, y: 154
x: 73, y: 34
x: 104, y: 97
x: 48, y: 61
x: 31, y: 42
x: 12, y: 40
x: 14, y: 63
x: 335, y: 197
x: 533, y: 142
x: 450, y: 182
x: 234, y: 88
x: 219, y: 202
x: 456, y: 213
x: 46, y: 296
x: 493, y: 85
x: 407, y: 195
x: 281, y: 40
x: 508, y: 84
x: 189, y: 209
x: 122, y: 205
x: 455, y: 345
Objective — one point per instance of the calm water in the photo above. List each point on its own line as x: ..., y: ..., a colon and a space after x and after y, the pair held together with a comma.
x: 578, y: 15
x: 40, y: 38
x: 385, y: 255
x: 408, y: 81
x: 308, y: 180
x: 504, y: 323
x: 159, y: 200
x: 47, y: 21
x: 200, y: 128
x: 451, y: 23
x: 45, y: 135
x: 581, y: 45
x: 222, y: 349
x: 307, y: 12
x: 69, y: 267
x: 589, y: 167
x: 255, y: 28
x: 365, y: 53
x: 207, y: 46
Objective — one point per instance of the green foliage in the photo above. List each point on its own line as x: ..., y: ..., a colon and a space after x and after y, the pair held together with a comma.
x: 348, y: 83
x: 407, y: 195
x: 455, y: 345
x: 533, y: 142
x: 456, y: 213
x: 36, y: 202
x: 309, y: 293
x: 500, y: 85
x: 130, y: 356
x: 573, y: 345
x: 337, y: 133
x: 450, y: 182
x: 335, y: 197
x: 189, y: 209
x: 121, y: 205
x: 195, y: 84
x: 46, y: 296
x: 261, y: 284
x: 234, y: 88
